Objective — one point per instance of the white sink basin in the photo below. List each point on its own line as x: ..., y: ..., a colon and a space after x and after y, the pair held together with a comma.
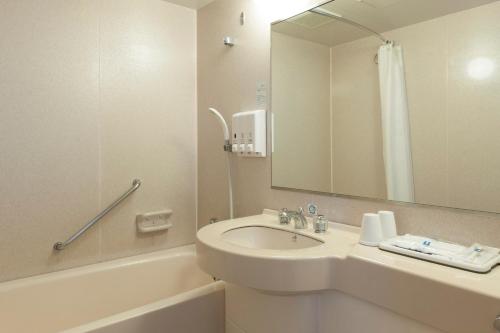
x: 260, y: 253
x: 260, y: 237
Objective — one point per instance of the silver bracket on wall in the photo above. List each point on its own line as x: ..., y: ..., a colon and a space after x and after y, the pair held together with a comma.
x: 228, y: 41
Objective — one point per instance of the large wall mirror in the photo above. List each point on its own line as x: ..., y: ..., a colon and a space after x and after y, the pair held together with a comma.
x: 390, y: 99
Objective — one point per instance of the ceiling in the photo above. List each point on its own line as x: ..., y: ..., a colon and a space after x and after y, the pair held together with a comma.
x: 378, y: 15
x: 195, y: 4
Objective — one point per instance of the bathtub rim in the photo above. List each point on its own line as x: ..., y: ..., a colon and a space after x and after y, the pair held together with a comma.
x: 106, y: 265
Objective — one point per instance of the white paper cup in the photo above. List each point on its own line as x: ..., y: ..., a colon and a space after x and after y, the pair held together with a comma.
x: 388, y: 224
x: 371, y: 230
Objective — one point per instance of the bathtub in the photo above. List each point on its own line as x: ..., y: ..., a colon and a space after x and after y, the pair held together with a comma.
x: 163, y: 291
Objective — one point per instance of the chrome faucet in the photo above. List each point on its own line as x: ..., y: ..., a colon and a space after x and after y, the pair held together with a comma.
x: 300, y: 222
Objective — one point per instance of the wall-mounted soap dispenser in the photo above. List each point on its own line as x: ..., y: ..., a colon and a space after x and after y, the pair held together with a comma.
x: 249, y: 133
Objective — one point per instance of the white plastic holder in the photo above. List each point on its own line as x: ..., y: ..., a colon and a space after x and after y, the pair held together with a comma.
x: 450, y: 255
x: 154, y: 222
x: 249, y: 133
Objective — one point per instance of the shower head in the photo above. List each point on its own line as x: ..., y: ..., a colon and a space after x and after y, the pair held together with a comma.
x: 222, y: 122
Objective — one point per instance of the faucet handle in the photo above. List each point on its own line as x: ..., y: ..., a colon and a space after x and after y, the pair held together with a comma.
x: 312, y: 209
x: 320, y: 224
x: 284, y: 217
x: 300, y: 219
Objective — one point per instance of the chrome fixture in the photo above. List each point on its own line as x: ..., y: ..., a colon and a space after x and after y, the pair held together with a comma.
x: 228, y: 41
x: 300, y: 221
x: 496, y: 323
x: 320, y: 224
x: 62, y: 245
x: 283, y: 216
x: 312, y: 209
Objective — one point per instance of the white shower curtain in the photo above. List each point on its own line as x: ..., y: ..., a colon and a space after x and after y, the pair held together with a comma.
x: 395, y: 124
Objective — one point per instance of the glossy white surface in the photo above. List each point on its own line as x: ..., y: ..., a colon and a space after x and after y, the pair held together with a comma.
x: 250, y: 311
x: 260, y: 237
x: 58, y: 301
x: 197, y: 310
x: 404, y: 285
x: 271, y: 269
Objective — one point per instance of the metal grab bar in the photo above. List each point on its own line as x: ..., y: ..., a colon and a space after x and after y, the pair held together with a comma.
x: 62, y: 245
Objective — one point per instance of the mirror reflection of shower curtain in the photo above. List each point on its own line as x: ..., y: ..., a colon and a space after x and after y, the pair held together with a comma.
x: 395, y: 124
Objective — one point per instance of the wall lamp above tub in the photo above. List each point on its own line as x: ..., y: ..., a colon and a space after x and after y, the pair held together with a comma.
x: 62, y: 245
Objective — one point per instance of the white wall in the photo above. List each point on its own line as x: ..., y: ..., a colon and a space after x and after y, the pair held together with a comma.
x: 92, y: 95
x: 356, y: 121
x: 301, y: 109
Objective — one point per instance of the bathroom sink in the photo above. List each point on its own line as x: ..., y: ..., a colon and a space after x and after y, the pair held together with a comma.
x: 260, y: 253
x: 269, y: 275
x: 262, y: 237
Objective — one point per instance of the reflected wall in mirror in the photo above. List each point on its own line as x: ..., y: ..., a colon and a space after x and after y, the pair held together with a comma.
x: 390, y: 99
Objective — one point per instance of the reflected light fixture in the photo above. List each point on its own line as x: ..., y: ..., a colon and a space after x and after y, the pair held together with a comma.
x: 480, y: 68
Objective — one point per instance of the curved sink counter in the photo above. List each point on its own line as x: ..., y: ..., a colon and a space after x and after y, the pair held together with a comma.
x: 245, y: 252
x: 276, y: 267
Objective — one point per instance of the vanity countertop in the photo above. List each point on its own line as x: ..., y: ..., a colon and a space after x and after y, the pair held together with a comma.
x: 444, y: 297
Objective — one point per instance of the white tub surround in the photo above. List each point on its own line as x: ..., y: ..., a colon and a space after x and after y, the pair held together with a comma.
x: 436, y: 297
x: 136, y: 294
